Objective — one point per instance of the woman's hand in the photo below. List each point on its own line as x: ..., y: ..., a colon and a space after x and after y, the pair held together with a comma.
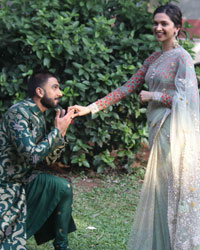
x: 145, y: 96
x: 79, y: 110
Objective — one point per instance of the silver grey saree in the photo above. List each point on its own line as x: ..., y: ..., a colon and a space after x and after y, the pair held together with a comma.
x: 168, y: 214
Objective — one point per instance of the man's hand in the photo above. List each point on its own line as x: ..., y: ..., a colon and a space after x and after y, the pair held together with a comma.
x: 145, y: 96
x: 62, y: 121
x: 80, y: 110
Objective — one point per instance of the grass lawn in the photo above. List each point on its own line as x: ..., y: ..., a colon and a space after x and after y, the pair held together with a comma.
x: 103, y: 211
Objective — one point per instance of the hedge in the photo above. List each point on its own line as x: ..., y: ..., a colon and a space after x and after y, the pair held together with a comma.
x: 93, y: 46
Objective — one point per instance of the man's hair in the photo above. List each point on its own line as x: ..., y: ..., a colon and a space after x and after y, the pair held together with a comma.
x: 36, y: 80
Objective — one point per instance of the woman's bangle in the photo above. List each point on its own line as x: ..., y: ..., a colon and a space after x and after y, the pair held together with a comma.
x: 93, y: 108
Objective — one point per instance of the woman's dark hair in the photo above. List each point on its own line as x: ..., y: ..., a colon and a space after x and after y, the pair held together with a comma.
x: 173, y: 12
x: 37, y: 80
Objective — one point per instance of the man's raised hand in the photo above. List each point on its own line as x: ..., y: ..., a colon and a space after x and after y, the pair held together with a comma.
x: 62, y: 120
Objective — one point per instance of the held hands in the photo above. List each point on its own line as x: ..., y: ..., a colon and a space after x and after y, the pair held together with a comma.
x: 80, y: 110
x: 62, y: 121
x: 145, y: 96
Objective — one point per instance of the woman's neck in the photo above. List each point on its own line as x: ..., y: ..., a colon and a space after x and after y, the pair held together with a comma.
x: 167, y: 46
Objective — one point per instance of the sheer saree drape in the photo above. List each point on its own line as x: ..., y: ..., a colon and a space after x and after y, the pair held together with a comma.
x: 168, y: 214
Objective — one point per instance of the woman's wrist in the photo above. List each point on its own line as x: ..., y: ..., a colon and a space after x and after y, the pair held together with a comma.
x: 156, y: 96
x: 93, y: 108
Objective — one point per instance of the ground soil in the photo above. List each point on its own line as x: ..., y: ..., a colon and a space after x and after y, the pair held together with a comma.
x: 142, y: 157
x: 91, y: 179
x: 89, y: 183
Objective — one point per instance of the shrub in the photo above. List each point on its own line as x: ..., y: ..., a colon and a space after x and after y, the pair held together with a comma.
x: 93, y: 46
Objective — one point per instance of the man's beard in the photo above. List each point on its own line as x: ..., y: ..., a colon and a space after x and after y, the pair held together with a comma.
x: 48, y: 102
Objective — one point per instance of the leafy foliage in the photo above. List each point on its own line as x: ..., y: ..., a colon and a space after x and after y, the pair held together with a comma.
x: 93, y: 46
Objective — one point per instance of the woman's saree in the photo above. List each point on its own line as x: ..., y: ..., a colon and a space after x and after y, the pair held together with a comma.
x: 168, y: 214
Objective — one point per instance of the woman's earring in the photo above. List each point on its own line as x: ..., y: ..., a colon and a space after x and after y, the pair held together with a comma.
x: 175, y: 42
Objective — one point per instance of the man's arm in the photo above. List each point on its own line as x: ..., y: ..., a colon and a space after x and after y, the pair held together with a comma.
x: 62, y: 121
x: 18, y: 129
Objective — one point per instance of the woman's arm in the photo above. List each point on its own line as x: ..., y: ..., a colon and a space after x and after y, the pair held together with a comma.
x: 163, y: 98
x: 120, y: 93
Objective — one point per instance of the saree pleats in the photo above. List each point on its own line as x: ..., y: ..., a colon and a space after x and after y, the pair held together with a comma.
x: 150, y: 230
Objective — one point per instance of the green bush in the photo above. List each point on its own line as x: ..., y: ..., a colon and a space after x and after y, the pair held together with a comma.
x: 93, y: 46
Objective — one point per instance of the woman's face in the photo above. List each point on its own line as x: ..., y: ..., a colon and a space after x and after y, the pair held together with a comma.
x: 163, y: 28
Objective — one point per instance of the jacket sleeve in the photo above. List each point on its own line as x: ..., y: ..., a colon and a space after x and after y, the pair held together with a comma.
x: 24, y: 141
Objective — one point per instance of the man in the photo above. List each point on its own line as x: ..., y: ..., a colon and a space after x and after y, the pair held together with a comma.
x: 32, y: 202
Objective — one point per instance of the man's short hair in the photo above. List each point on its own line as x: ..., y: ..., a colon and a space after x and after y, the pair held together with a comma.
x: 36, y: 80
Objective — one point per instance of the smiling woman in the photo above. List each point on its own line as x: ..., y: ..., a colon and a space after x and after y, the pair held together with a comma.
x: 166, y: 26
x: 164, y: 29
x: 168, y: 214
x: 190, y: 10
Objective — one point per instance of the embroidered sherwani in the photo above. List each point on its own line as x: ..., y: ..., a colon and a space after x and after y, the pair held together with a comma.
x: 168, y: 214
x: 24, y: 144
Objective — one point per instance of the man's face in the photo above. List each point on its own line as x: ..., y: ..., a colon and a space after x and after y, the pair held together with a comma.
x: 52, y: 93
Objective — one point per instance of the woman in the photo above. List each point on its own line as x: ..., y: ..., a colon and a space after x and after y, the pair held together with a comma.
x: 168, y: 214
